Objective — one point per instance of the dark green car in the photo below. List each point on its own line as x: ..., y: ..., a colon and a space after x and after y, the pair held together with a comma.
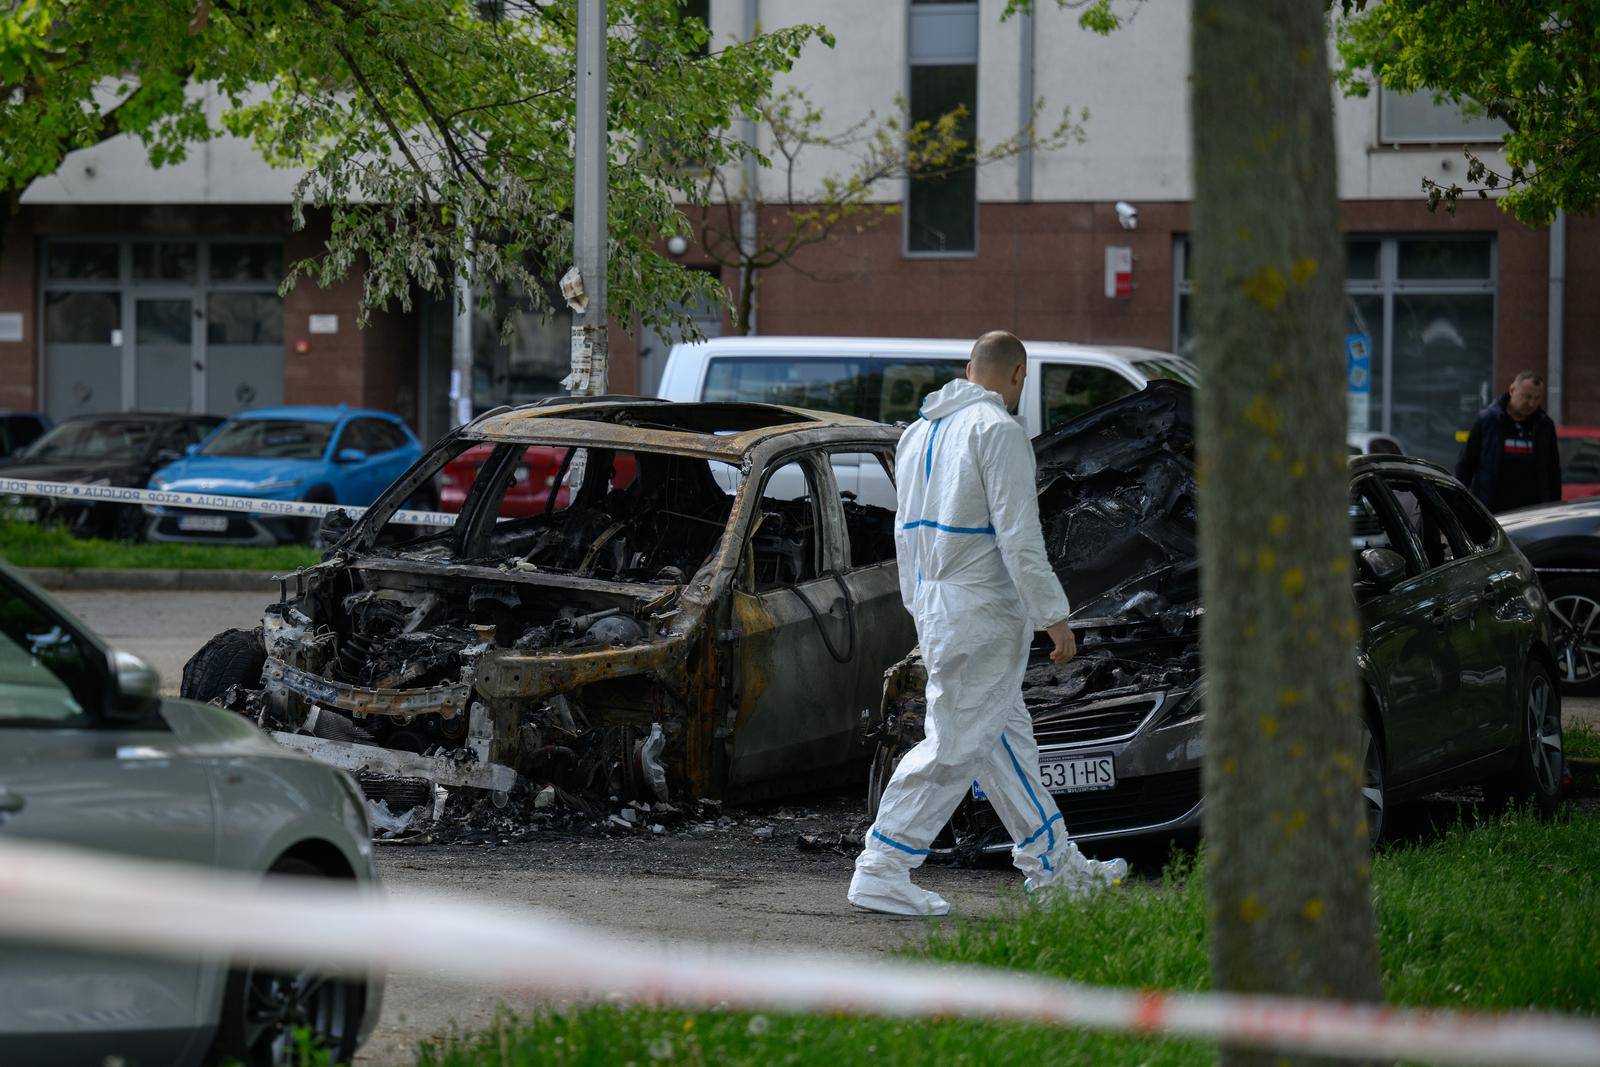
x: 1457, y: 656
x: 91, y: 756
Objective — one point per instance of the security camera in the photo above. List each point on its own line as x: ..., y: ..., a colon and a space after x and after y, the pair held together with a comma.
x: 1127, y: 215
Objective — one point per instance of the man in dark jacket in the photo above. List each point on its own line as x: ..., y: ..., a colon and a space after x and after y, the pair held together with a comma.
x: 1510, y: 459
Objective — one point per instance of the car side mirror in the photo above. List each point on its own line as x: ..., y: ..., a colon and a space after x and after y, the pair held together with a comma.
x: 137, y: 687
x: 192, y: 450
x: 349, y: 455
x: 1380, y: 567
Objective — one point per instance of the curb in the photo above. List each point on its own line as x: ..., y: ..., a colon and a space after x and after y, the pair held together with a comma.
x: 191, y: 581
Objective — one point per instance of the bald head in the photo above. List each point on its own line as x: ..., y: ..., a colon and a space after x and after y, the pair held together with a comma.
x: 1000, y: 363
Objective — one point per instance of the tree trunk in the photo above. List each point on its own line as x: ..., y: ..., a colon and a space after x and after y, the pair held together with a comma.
x: 747, y: 300
x: 1287, y: 862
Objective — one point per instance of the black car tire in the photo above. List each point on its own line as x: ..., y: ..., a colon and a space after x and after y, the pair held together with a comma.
x: 1539, y: 763
x: 884, y: 761
x: 1374, y: 782
x: 1574, y: 601
x: 233, y: 657
x: 262, y: 1008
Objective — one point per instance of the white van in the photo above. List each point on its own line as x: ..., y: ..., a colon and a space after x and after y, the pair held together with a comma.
x: 885, y: 379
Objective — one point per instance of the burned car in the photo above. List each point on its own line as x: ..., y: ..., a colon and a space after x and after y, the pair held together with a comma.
x: 1455, y: 655
x: 701, y: 614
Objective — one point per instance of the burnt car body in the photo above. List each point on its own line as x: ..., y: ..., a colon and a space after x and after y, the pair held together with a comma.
x: 702, y: 613
x: 1455, y: 655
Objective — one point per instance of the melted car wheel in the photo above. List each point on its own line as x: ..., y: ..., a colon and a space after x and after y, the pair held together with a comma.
x: 266, y: 1011
x: 1373, y: 786
x: 233, y: 657
x: 1575, y: 612
x: 1535, y: 776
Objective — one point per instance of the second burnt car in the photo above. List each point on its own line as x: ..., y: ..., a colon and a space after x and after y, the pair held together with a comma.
x: 1455, y: 656
x: 703, y: 613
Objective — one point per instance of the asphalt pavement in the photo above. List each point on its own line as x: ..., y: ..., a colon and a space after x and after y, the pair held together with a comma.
x: 163, y: 628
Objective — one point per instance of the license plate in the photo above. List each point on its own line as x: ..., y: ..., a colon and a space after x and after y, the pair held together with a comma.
x: 1077, y: 775
x: 203, y: 523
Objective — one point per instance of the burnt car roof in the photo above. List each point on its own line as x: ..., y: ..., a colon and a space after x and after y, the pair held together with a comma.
x: 708, y: 430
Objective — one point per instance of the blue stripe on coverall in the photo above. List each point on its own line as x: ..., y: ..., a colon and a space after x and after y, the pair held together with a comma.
x: 1050, y: 845
x: 895, y: 844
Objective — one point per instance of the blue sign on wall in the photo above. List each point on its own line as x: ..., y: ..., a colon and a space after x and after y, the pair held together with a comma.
x: 1358, y: 363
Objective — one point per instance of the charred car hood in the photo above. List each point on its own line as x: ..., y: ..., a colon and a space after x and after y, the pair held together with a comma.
x: 1117, y: 505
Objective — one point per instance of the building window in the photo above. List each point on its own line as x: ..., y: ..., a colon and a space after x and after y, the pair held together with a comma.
x: 1419, y: 334
x: 1414, y: 118
x: 942, y: 209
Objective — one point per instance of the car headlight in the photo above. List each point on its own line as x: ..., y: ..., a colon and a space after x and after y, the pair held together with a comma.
x: 282, y: 483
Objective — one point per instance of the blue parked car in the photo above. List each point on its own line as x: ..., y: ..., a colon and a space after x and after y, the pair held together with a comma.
x: 328, y: 455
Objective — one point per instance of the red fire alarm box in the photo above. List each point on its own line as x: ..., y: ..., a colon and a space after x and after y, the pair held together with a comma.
x: 1119, y: 271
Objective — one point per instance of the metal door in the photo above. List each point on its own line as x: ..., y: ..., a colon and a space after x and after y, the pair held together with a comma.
x: 164, y: 356
x: 796, y: 704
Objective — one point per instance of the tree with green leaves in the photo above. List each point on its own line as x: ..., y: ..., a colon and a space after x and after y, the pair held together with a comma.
x: 420, y: 125
x: 879, y: 151
x: 1534, y: 66
x: 1287, y: 863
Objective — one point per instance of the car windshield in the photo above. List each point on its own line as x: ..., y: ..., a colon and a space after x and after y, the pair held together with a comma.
x: 1180, y: 370
x: 92, y: 439
x: 277, y: 438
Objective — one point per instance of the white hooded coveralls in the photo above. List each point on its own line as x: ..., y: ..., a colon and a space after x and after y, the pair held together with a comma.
x: 975, y: 577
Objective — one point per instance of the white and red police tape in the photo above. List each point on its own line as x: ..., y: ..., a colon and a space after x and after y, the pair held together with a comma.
x: 125, y: 494
x: 59, y: 896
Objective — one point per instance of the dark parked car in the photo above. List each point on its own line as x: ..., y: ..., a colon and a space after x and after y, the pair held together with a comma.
x: 1563, y: 543
x: 119, y: 449
x: 91, y: 756
x: 1455, y: 657
x: 19, y: 429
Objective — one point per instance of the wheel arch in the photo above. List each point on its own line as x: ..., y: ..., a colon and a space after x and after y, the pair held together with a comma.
x: 321, y: 493
x: 322, y: 854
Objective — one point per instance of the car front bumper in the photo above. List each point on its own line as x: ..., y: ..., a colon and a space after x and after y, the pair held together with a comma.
x: 237, y: 528
x: 1157, y: 765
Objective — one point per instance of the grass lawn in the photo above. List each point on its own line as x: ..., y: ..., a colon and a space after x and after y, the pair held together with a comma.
x: 1496, y: 917
x: 25, y: 544
x: 1581, y: 739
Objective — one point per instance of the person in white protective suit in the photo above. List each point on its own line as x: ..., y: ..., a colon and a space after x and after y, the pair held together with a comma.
x: 974, y: 575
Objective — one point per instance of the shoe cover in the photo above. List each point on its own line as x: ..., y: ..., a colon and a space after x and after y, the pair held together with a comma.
x: 1080, y: 881
x: 894, y: 896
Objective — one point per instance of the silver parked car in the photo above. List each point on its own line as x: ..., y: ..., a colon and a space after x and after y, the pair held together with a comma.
x: 92, y: 756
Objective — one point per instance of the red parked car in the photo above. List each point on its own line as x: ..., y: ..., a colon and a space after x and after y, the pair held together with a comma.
x: 538, y: 473
x: 1580, y: 460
